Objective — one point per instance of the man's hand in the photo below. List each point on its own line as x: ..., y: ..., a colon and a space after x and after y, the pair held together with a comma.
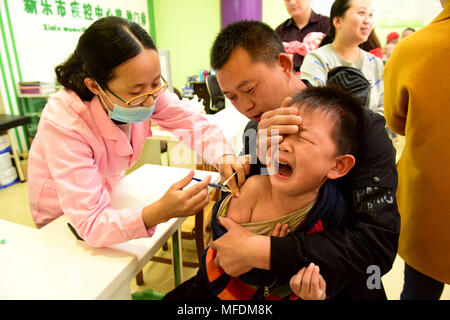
x: 276, y: 123
x: 239, y: 250
x: 228, y: 164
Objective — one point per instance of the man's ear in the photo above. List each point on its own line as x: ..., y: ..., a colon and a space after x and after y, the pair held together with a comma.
x: 92, y: 85
x: 342, y: 165
x: 286, y: 62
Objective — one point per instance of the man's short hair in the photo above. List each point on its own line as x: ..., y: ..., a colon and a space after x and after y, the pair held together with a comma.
x: 346, y: 111
x: 260, y: 41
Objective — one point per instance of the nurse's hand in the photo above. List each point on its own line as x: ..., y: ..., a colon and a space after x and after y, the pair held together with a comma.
x: 275, y: 124
x: 228, y: 164
x: 178, y: 202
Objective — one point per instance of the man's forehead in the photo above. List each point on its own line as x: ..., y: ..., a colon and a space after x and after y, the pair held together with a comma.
x: 229, y: 80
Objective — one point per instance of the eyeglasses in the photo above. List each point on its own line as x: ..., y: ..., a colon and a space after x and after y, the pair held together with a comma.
x: 138, y: 100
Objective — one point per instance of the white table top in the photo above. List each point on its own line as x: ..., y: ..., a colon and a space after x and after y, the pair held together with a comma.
x: 41, y: 265
x: 54, y: 255
x: 141, y: 187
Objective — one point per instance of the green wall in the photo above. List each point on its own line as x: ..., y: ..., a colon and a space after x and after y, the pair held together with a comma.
x: 274, y: 12
x: 187, y: 29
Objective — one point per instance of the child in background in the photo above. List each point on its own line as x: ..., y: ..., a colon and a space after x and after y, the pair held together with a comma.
x: 298, y: 195
x: 391, y: 41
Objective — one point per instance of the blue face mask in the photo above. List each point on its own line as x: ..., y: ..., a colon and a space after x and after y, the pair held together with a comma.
x: 130, y: 114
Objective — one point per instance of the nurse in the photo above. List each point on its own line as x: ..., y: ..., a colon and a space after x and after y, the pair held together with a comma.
x: 94, y: 129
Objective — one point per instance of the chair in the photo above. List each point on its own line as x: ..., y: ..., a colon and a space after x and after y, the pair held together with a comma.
x: 217, y: 97
x: 351, y: 80
x: 201, y: 90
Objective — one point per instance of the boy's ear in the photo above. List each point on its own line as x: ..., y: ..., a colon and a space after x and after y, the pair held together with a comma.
x: 286, y: 61
x: 342, y: 165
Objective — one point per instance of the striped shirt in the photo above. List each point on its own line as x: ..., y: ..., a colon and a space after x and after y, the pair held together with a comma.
x: 317, y: 63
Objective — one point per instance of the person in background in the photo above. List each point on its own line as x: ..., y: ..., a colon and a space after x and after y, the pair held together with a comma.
x: 417, y: 106
x: 408, y: 31
x: 391, y: 41
x: 373, y: 45
x: 256, y: 74
x: 94, y: 129
x: 302, y: 22
x: 351, y: 23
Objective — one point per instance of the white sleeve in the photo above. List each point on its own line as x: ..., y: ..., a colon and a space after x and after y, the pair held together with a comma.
x: 314, y: 70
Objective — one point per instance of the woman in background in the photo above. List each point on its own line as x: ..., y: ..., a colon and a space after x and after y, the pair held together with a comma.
x: 417, y: 107
x: 351, y: 23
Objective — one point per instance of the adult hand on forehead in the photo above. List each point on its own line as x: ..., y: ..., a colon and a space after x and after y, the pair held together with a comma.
x: 274, y: 124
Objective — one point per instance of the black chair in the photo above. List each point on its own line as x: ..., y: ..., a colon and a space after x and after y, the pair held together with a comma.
x: 351, y: 80
x: 217, y: 97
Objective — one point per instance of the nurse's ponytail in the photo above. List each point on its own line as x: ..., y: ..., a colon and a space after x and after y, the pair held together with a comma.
x: 71, y: 75
x: 105, y: 45
x: 338, y: 9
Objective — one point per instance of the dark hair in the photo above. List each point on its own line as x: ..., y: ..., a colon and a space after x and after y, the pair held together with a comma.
x: 346, y: 112
x: 260, y: 41
x: 106, y: 44
x: 372, y: 42
x: 338, y: 9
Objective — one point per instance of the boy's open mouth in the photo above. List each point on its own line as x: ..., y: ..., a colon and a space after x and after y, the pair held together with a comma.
x: 284, y: 169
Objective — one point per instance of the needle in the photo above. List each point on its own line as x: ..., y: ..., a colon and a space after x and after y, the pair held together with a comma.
x: 228, y: 180
x: 217, y: 186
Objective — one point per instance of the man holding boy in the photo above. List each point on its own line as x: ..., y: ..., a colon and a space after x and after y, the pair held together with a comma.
x: 299, y: 192
x: 256, y: 76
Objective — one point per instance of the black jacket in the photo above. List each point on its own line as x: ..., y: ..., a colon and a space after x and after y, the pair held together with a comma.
x: 369, y: 239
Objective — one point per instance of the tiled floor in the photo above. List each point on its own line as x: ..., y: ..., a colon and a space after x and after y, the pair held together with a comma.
x: 159, y: 276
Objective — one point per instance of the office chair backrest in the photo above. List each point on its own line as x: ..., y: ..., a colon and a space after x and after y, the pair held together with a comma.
x: 351, y: 80
x: 217, y: 97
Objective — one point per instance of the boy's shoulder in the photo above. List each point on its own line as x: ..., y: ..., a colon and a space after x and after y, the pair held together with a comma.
x: 256, y: 183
